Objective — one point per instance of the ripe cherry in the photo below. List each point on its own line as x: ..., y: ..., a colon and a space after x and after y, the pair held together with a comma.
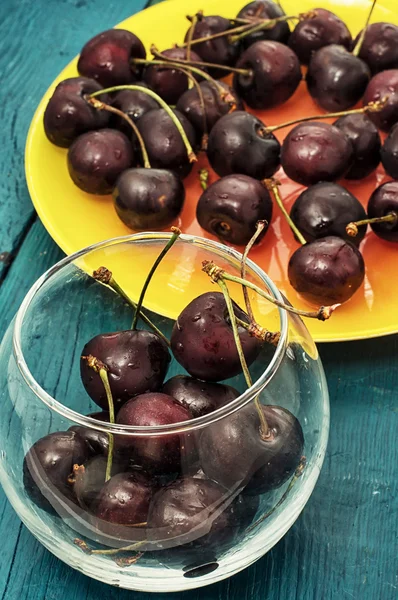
x: 366, y: 143
x: 389, y: 153
x: 383, y: 86
x: 125, y: 499
x: 380, y: 47
x: 134, y: 104
x: 97, y: 441
x: 90, y: 479
x: 264, y: 9
x: 384, y: 201
x: 199, y: 397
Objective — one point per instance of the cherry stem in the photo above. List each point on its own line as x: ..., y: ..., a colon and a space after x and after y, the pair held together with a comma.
x: 191, y: 154
x: 99, y: 105
x: 105, y: 276
x: 190, y: 34
x: 204, y: 179
x: 359, y: 43
x: 272, y: 185
x: 216, y: 273
x: 352, y: 228
x: 259, y: 228
x: 109, y: 552
x: 260, y: 26
x: 261, y: 333
x: 175, y: 235
x: 198, y: 63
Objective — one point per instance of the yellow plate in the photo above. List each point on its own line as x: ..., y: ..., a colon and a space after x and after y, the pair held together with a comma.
x: 75, y: 219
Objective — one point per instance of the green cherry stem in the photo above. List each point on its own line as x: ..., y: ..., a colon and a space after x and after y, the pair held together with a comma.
x: 352, y: 228
x: 359, y: 43
x: 191, y: 154
x: 175, y: 235
x: 259, y: 228
x: 109, y: 552
x: 190, y: 34
x: 197, y: 63
x: 272, y: 185
x: 260, y: 26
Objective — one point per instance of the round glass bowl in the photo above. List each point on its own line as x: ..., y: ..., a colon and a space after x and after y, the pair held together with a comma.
x: 226, y: 500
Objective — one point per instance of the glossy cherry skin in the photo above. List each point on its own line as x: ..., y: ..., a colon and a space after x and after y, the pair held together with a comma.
x: 137, y: 362
x: 125, y: 499
x: 163, y: 141
x: 382, y: 86
x: 326, y: 271
x: 90, y: 478
x: 170, y: 83
x: 106, y: 57
x: 365, y: 140
x: 134, y: 104
x: 239, y: 143
x: 161, y: 454
x: 389, y: 153
x: 48, y: 465
x: 96, y: 159
x: 336, y: 79
x: 275, y: 74
x: 380, y: 47
x: 97, y: 441
x: 325, y: 209
x: 231, y: 207
x: 216, y: 104
x: 202, y: 340
x: 233, y: 453
x: 147, y: 199
x: 199, y: 397
x: 312, y: 34
x: 384, y: 201
x: 264, y: 9
x: 218, y: 51
x: 67, y: 113
x: 313, y: 152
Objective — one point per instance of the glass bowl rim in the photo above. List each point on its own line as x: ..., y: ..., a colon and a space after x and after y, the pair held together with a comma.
x: 184, y: 426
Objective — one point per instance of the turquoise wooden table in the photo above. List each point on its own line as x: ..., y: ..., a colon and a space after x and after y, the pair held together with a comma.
x: 345, y: 544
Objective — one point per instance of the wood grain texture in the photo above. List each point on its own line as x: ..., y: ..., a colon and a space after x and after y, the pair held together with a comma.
x: 345, y: 544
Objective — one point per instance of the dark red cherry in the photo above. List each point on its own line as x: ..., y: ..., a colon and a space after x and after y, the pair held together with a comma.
x: 202, y: 340
x: 199, y: 397
x: 96, y: 159
x: 90, y: 479
x: 240, y: 143
x: 264, y: 9
x: 125, y: 499
x: 218, y: 51
x: 106, y: 57
x: 336, y: 79
x: 97, y: 441
x: 163, y: 141
x: 159, y: 454
x: 233, y: 452
x: 134, y: 104
x: 382, y: 202
x: 231, y: 207
x: 380, y: 47
x: 274, y: 74
x: 167, y: 82
x: 313, y: 152
x: 48, y: 465
x: 147, y: 199
x: 365, y: 140
x: 314, y: 33
x: 137, y: 362
x: 326, y: 271
x: 67, y: 113
x: 325, y: 209
x: 217, y: 103
x: 389, y: 153
x: 383, y: 86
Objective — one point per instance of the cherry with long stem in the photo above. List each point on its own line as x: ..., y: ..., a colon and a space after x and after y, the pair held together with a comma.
x: 352, y: 228
x: 272, y: 185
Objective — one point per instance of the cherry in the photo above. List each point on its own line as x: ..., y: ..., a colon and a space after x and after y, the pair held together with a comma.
x: 325, y: 209
x: 125, y: 499
x: 163, y: 453
x: 202, y: 339
x: 137, y: 362
x: 199, y: 397
x: 382, y: 202
x: 274, y: 74
x: 217, y: 51
x: 326, y: 271
x: 134, y: 104
x: 48, y: 465
x: 365, y: 140
x: 314, y: 151
x: 264, y: 9
x: 389, y: 153
x: 67, y: 113
x: 96, y: 159
x: 106, y: 57
x: 336, y: 79
x: 90, y: 478
x: 165, y: 147
x: 147, y: 199
x: 314, y: 33
x: 231, y: 207
x: 97, y: 441
x: 233, y: 452
x: 240, y: 143
x: 380, y: 47
x: 167, y: 82
x: 383, y: 86
x: 216, y: 104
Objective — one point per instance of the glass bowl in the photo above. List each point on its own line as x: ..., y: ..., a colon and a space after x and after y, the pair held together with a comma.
x: 228, y: 496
